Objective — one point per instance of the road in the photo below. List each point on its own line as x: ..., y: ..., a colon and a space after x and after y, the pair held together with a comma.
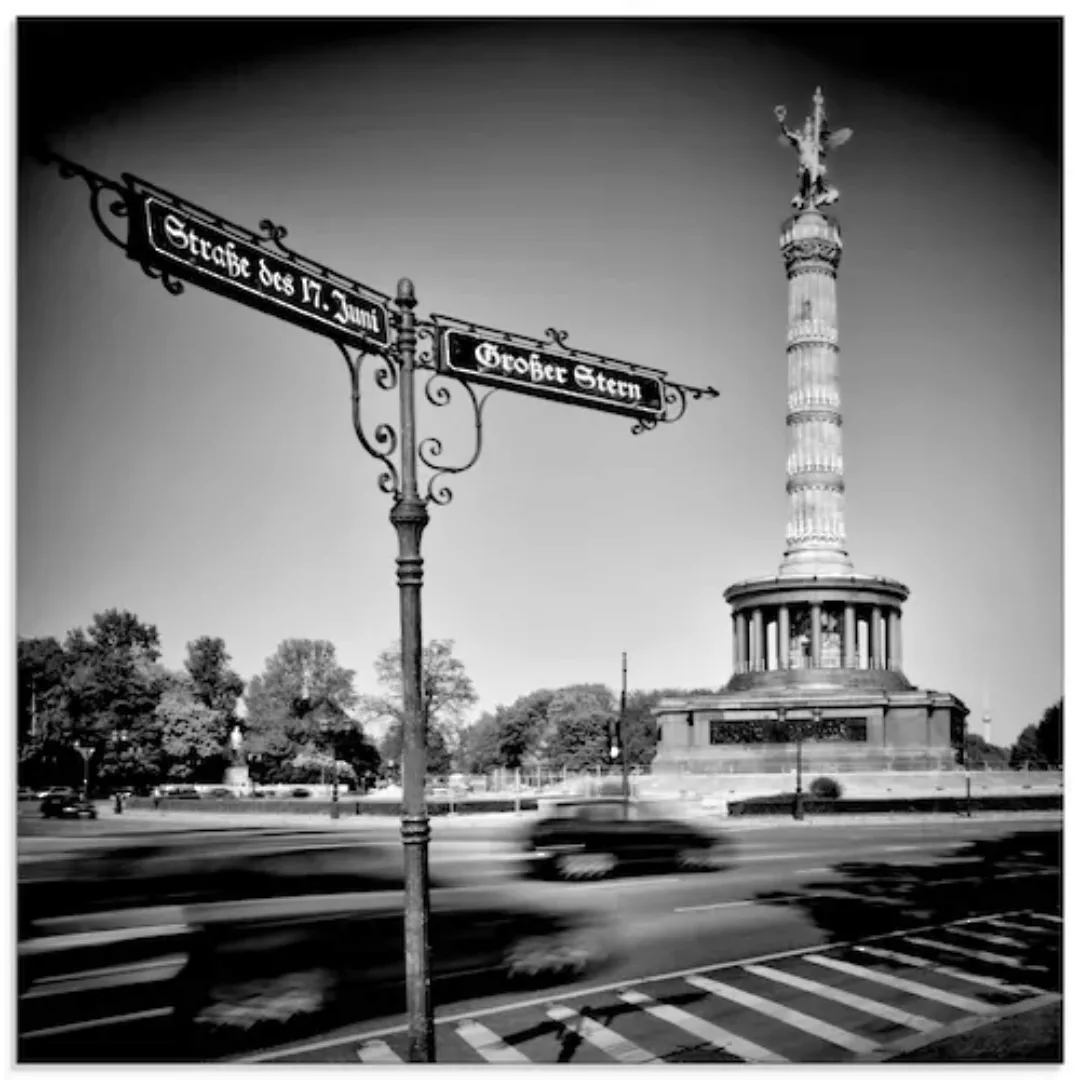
x: 834, y: 942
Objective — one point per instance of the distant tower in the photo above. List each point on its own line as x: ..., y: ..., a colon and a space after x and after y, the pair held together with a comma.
x: 815, y: 641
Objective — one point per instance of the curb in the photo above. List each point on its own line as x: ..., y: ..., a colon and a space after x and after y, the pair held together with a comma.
x: 960, y: 1027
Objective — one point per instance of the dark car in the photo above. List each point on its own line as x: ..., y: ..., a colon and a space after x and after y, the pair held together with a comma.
x: 258, y: 947
x: 593, y: 837
x: 61, y: 805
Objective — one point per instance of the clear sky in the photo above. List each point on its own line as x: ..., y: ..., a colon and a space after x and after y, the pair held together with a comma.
x: 193, y: 460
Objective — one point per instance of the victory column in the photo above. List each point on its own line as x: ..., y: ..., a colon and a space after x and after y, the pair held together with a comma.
x: 816, y: 642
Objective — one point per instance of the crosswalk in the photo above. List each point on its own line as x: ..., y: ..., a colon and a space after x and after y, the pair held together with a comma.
x: 845, y: 1003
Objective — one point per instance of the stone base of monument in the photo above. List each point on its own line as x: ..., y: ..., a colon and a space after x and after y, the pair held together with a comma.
x: 237, y: 776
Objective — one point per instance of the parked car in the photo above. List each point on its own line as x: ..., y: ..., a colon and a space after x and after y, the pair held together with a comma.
x: 27, y: 794
x: 221, y: 793
x: 182, y: 791
x: 593, y: 837
x: 67, y: 806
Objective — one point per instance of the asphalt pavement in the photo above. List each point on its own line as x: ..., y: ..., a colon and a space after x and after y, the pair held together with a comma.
x: 817, y: 944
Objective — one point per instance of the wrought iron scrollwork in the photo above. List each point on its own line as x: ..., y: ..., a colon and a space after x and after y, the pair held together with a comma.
x: 100, y: 188
x: 676, y: 397
x: 431, y: 448
x: 383, y: 442
x: 439, y: 391
x: 274, y: 235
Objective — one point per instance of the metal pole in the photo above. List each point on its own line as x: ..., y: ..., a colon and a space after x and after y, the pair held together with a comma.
x: 622, y: 737
x: 409, y: 516
x: 798, y: 810
x: 335, y: 810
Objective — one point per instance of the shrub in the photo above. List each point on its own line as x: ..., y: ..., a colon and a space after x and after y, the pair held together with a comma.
x: 825, y: 787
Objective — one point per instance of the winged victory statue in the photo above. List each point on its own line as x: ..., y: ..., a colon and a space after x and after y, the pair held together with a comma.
x: 812, y: 143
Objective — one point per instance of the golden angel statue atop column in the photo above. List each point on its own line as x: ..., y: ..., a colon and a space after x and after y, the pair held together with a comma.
x: 812, y: 142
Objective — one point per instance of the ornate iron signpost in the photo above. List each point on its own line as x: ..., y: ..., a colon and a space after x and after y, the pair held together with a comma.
x: 171, y: 239
x: 532, y: 367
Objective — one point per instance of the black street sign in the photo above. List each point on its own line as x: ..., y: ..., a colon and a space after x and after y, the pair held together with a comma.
x: 188, y: 247
x: 576, y: 379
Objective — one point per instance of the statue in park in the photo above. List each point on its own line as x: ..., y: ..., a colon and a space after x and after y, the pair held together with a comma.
x: 236, y: 746
x: 812, y: 142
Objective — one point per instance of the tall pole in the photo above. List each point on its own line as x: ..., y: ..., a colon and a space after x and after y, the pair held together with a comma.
x: 409, y: 516
x: 798, y: 810
x: 622, y: 736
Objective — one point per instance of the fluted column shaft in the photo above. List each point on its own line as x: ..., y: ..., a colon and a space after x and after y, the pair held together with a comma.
x: 757, y: 651
x: 783, y: 637
x: 816, y: 538
x: 815, y: 635
x: 740, y: 642
x: 875, y: 638
x: 850, y: 643
x: 895, y: 651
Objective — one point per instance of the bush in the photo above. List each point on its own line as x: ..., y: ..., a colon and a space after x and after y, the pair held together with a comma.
x: 825, y: 787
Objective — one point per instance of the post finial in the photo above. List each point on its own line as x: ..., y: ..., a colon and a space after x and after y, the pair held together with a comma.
x: 406, y: 293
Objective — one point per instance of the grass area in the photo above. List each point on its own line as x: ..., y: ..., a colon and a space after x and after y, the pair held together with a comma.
x: 1032, y: 1037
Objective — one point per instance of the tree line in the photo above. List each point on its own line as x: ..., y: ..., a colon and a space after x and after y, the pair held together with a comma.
x: 301, y: 719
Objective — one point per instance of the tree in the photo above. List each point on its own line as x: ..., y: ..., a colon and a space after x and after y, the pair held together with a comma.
x: 301, y: 696
x: 447, y: 693
x: 578, y: 721
x: 479, y: 751
x: 213, y: 682
x: 1025, y: 751
x: 978, y: 753
x: 1050, y: 732
x: 191, y: 747
x: 113, y: 680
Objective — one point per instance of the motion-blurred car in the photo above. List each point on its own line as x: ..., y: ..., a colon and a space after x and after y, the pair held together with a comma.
x: 590, y: 838
x: 44, y: 793
x: 60, y: 805
x: 257, y: 947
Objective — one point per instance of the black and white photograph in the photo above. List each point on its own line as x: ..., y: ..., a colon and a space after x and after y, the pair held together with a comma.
x: 537, y: 538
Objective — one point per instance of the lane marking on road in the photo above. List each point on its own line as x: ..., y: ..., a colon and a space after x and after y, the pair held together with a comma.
x: 376, y: 1052
x: 80, y: 982
x: 702, y: 1029
x: 622, y: 1050
x: 65, y: 942
x: 635, y: 882
x: 84, y: 1025
x: 1045, y: 917
x: 813, y: 870
x: 1005, y: 924
x: 489, y: 1046
x: 861, y: 971
x: 977, y: 954
x: 992, y: 939
x: 853, y: 1001
x: 811, y: 1025
x: 619, y: 985
x: 990, y: 981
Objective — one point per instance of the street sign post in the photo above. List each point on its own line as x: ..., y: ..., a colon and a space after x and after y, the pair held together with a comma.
x: 569, y: 376
x: 171, y: 238
x: 193, y: 244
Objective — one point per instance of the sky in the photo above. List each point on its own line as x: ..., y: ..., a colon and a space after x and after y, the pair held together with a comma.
x: 192, y: 460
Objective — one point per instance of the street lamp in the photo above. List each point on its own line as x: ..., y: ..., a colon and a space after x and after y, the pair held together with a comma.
x: 798, y: 729
x: 86, y: 753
